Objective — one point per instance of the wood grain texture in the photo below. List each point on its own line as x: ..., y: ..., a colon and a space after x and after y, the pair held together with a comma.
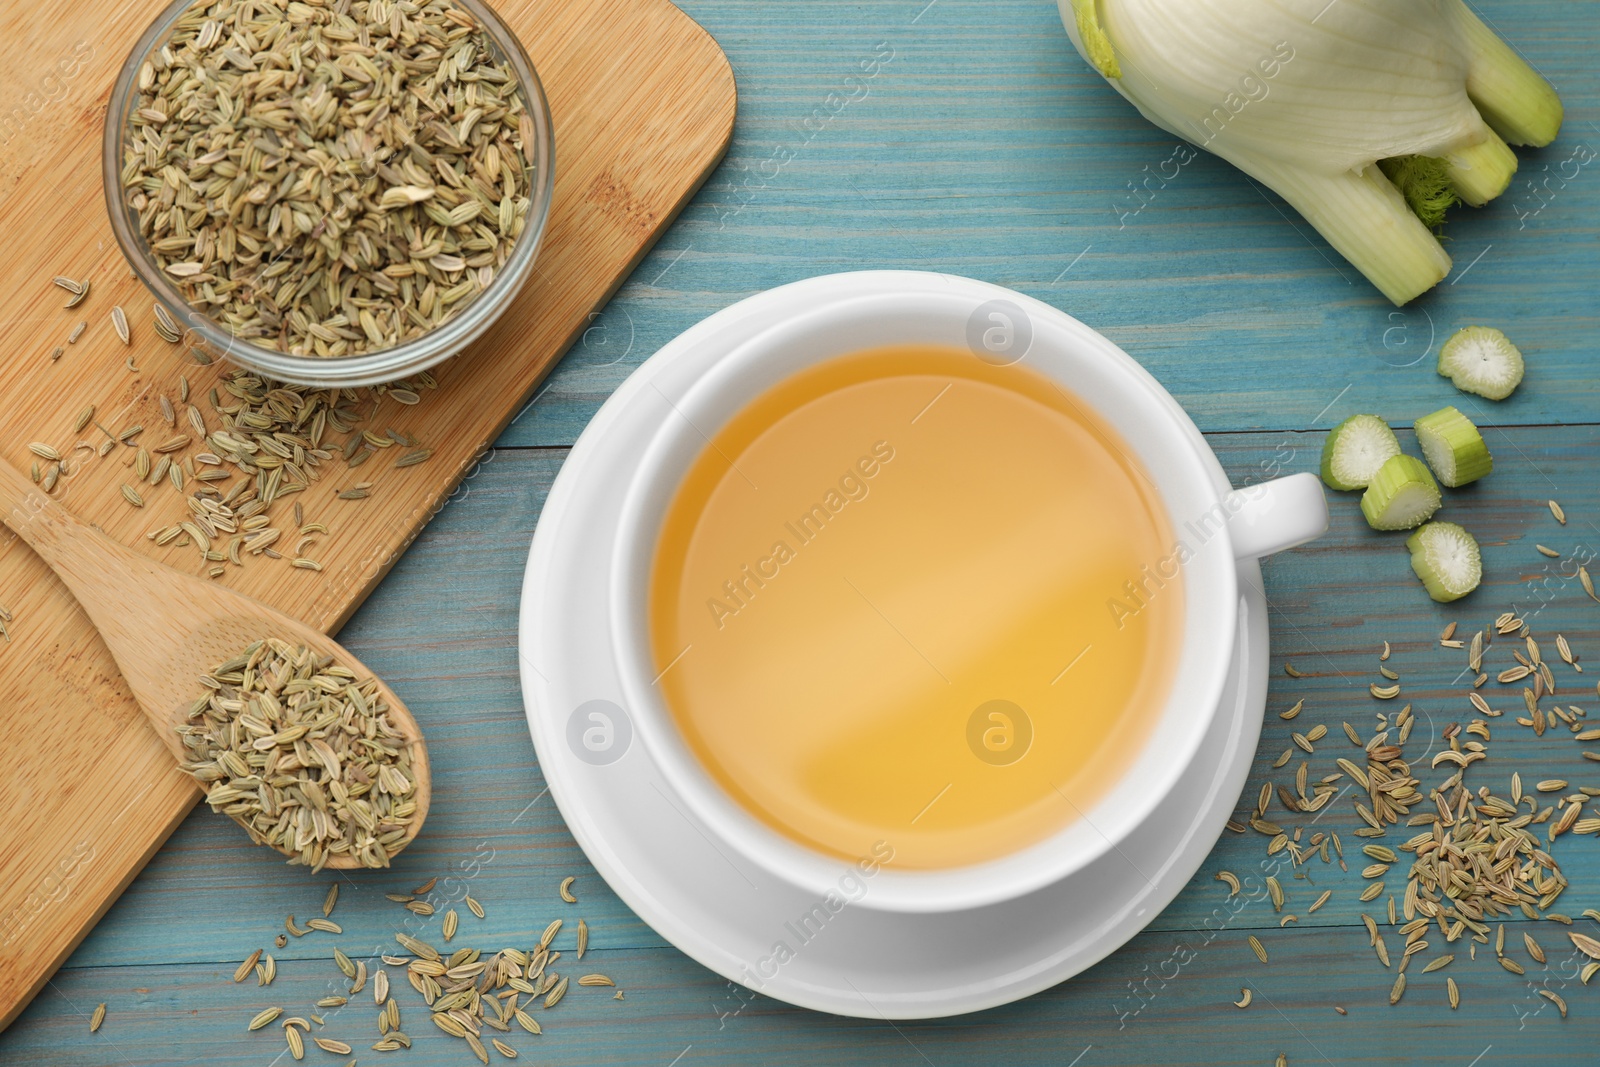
x: 984, y: 147
x: 164, y: 629
x: 643, y: 104
x: 162, y: 958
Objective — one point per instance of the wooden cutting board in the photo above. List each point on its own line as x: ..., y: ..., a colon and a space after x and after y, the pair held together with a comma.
x: 643, y: 101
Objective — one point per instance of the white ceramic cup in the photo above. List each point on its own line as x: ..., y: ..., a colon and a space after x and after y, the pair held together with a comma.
x: 1003, y: 327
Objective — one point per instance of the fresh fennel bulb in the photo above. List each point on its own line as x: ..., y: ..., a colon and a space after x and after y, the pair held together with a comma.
x: 1309, y: 96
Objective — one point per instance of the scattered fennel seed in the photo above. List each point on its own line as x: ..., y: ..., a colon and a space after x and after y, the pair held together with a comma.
x: 247, y: 966
x: 264, y: 1018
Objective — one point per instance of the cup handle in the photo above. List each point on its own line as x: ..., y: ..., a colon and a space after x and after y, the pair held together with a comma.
x: 1267, y: 518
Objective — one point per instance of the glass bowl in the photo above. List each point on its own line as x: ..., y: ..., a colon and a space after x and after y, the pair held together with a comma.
x: 368, y: 368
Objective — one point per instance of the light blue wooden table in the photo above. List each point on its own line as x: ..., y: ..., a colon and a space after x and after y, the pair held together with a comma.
x: 983, y: 147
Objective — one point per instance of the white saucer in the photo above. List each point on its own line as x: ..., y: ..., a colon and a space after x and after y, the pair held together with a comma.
x: 735, y: 918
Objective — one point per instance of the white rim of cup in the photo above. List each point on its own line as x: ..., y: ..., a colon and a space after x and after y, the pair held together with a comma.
x: 656, y: 481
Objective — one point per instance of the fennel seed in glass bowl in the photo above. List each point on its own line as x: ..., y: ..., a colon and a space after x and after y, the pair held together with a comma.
x: 331, y: 192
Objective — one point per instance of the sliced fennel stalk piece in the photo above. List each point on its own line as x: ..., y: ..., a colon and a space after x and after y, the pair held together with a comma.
x: 1447, y: 559
x: 1308, y: 98
x: 1402, y: 495
x: 1454, y: 447
x: 1482, y: 360
x: 1355, y: 451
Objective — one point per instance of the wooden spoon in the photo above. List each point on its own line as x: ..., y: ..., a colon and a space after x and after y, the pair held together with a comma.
x: 166, y: 628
